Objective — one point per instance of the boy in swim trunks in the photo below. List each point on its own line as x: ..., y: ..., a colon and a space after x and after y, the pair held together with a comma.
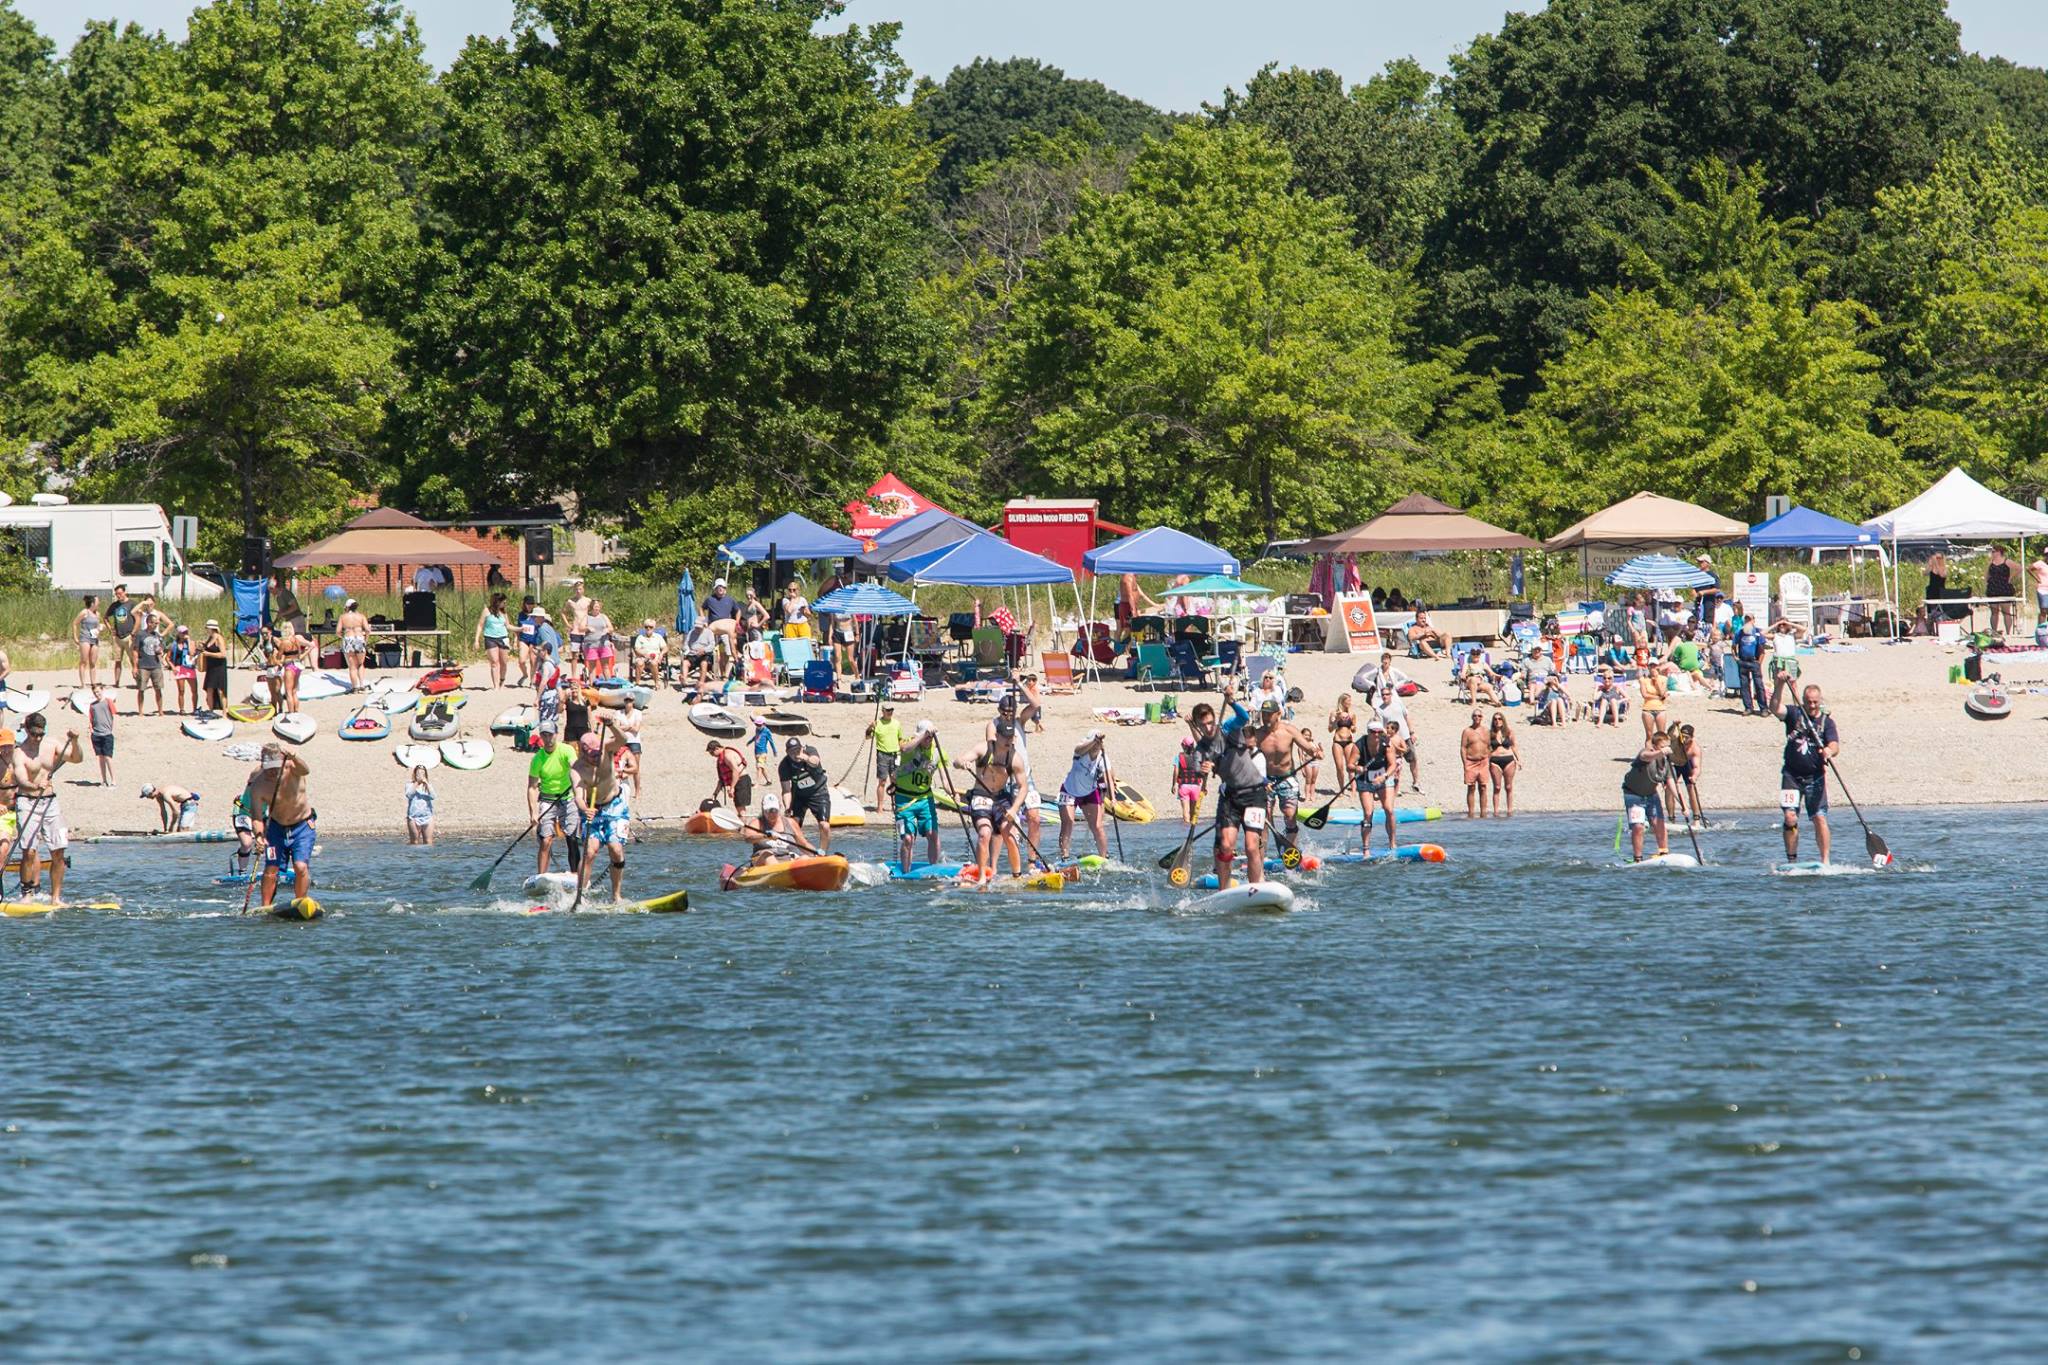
x: 607, y: 815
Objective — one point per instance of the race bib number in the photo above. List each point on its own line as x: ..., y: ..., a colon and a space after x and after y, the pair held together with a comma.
x: 981, y: 805
x: 1255, y: 818
x: 1788, y: 799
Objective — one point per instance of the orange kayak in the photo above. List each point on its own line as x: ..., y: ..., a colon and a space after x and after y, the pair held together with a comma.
x: 712, y: 822
x: 797, y: 874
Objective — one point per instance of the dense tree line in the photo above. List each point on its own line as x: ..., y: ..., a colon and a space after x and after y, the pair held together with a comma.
x: 692, y: 261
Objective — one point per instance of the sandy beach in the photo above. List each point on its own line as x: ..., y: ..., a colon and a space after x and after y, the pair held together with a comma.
x: 1906, y: 741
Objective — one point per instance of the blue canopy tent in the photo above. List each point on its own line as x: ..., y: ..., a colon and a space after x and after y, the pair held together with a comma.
x: 987, y: 561
x: 936, y: 529
x: 1802, y: 528
x: 1160, y: 550
x: 789, y: 536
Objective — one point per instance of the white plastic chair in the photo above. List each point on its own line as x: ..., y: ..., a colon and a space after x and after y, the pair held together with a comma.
x: 1795, y: 600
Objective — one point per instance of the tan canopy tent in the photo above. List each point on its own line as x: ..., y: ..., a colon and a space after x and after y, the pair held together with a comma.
x: 1651, y: 520
x: 386, y: 536
x: 1417, y: 522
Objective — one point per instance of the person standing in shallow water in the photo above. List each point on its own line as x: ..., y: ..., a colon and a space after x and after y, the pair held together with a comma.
x: 1473, y: 751
x: 1810, y: 741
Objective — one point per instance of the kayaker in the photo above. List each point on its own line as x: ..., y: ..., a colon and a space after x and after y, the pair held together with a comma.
x: 806, y: 789
x: 1810, y: 741
x: 1642, y: 793
x: 607, y: 814
x: 277, y: 792
x: 1240, y: 770
x: 550, y: 783
x: 916, y: 811
x: 39, y: 818
x: 773, y: 838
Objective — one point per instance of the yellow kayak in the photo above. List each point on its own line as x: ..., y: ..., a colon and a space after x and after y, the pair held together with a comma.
x: 795, y: 874
x: 1030, y: 881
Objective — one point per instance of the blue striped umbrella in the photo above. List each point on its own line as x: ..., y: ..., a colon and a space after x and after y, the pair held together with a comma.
x: 864, y: 599
x: 1660, y: 571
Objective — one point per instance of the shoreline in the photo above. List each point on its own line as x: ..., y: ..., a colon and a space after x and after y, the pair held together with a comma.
x: 1906, y: 742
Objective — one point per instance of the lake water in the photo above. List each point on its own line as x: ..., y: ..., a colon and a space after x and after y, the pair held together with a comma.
x: 1521, y: 1106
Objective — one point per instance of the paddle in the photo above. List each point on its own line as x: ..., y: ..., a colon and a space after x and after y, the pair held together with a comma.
x: 1872, y: 845
x: 482, y: 882
x: 1109, y: 776
x: 1290, y: 852
x: 582, y: 876
x: 1672, y: 793
x: 959, y: 806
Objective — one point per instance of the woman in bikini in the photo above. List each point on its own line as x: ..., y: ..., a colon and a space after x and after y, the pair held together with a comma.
x: 291, y: 649
x: 1343, y: 734
x: 1504, y: 759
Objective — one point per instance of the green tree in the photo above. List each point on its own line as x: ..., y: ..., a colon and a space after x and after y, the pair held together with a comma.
x: 31, y: 112
x: 1207, y: 348
x: 105, y: 74
x: 194, y: 318
x: 1563, y: 108
x: 668, y: 250
x: 1386, y: 150
x: 986, y: 108
x: 1720, y: 377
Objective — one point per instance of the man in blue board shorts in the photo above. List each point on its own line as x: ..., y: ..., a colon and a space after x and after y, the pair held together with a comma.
x: 1810, y: 741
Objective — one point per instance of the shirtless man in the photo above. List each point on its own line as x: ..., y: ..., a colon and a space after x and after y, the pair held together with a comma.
x: 176, y: 807
x: 354, y: 629
x: 1030, y: 810
x: 774, y: 839
x: 992, y: 799
x: 38, y: 819
x: 1285, y: 749
x: 277, y: 794
x: 607, y: 815
x: 577, y: 612
x: 1474, y: 751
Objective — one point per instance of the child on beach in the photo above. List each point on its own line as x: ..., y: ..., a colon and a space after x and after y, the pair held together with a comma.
x: 101, y: 716
x: 419, y: 808
x: 1189, y: 781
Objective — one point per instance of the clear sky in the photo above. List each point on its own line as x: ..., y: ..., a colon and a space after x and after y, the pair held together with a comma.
x: 1173, y: 53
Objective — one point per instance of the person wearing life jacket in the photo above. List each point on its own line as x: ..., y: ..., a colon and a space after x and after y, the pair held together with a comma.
x: 1240, y: 771
x: 911, y: 783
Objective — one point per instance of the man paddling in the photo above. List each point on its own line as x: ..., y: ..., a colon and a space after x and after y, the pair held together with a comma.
x: 774, y: 839
x: 992, y: 798
x: 39, y: 819
x: 1285, y: 749
x: 8, y: 824
x: 806, y: 789
x: 1810, y: 741
x: 550, y: 782
x: 1240, y: 770
x: 277, y: 793
x: 911, y: 783
x: 607, y: 816
x: 1642, y: 793
x: 1374, y: 770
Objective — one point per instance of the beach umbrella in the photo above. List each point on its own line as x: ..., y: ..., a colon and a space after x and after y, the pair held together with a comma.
x: 865, y: 599
x: 686, y: 604
x: 1660, y: 571
x: 1218, y: 585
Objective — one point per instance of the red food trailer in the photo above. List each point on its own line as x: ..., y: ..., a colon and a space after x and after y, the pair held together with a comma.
x: 1061, y: 529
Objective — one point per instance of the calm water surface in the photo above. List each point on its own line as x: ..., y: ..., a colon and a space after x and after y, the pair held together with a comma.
x: 1522, y: 1106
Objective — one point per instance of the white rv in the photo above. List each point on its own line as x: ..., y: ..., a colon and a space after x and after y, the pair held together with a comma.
x: 89, y: 547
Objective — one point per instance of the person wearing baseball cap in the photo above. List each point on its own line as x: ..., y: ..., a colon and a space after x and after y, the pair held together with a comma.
x: 887, y: 733
x: 176, y: 807
x: 607, y: 813
x: 806, y: 789
x: 917, y: 810
x: 722, y: 614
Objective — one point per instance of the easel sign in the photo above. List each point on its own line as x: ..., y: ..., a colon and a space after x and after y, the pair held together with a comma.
x: 1355, y: 629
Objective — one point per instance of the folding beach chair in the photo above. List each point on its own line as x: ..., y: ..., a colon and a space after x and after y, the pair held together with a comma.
x: 794, y: 657
x: 819, y: 682
x: 252, y: 614
x: 1187, y: 664
x: 1059, y: 672
x: 1153, y: 665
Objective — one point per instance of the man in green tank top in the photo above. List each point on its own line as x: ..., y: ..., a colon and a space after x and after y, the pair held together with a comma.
x: 887, y: 732
x: 916, y: 812
x: 550, y: 778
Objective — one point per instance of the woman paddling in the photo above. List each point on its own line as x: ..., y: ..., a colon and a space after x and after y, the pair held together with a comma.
x: 1685, y: 771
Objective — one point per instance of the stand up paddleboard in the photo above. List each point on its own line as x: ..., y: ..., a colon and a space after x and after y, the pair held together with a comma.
x: 210, y: 727
x: 1403, y: 815
x: 417, y: 755
x: 718, y: 722
x: 516, y: 718
x: 251, y: 713
x: 1247, y: 896
x: 398, y: 703
x: 467, y: 754
x: 1406, y: 853
x: 305, y: 908
x: 926, y: 872
x: 294, y: 726
x: 368, y: 722
x: 24, y: 909
x: 786, y: 724
x: 23, y: 703
x: 674, y: 903
x: 1666, y: 860
x: 550, y: 884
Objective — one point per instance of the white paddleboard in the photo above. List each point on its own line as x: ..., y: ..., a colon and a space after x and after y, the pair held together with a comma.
x: 466, y: 754
x: 319, y: 686
x: 294, y: 726
x: 24, y: 702
x: 412, y: 756
x: 717, y: 721
x: 208, y: 727
x: 512, y: 719
x: 550, y: 884
x: 1267, y: 895
x: 1814, y: 869
x: 1666, y: 860
x: 396, y: 703
x: 81, y: 700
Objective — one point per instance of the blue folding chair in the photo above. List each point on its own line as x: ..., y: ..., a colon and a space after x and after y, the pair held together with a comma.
x: 252, y: 612
x: 819, y: 682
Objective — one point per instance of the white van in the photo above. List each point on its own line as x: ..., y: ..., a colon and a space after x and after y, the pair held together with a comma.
x: 89, y: 547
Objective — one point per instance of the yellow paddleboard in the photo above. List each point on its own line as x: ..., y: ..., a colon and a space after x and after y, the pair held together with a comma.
x: 1130, y: 805
x: 675, y: 902
x: 23, y: 909
x: 253, y: 714
x: 302, y: 909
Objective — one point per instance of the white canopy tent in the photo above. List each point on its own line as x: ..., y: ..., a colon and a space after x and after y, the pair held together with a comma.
x: 1957, y: 507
